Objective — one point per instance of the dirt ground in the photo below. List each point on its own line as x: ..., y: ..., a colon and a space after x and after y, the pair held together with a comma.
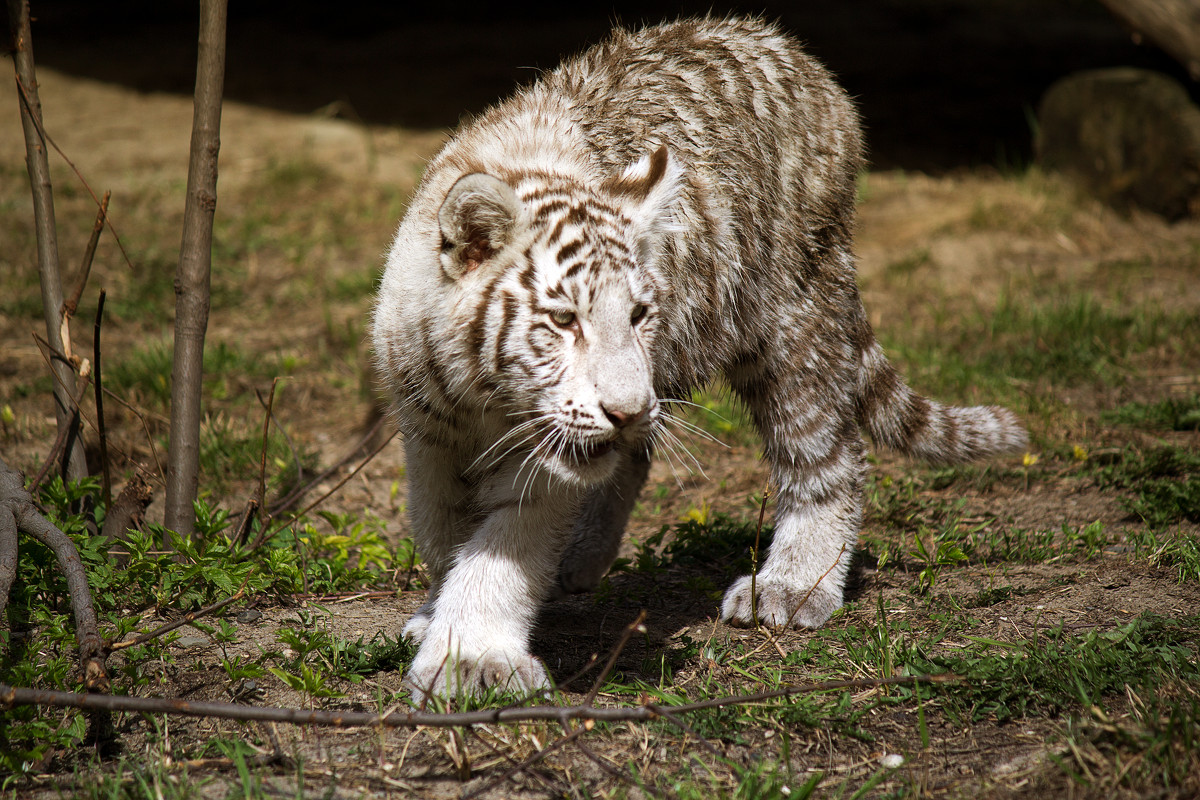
x: 929, y: 243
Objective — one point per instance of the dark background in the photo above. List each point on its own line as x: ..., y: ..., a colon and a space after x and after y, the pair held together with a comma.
x: 941, y: 83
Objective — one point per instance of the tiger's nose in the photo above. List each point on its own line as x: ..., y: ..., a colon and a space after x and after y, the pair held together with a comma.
x: 621, y: 419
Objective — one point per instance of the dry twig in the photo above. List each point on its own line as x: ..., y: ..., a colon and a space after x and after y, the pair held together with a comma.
x: 142, y: 638
x: 637, y: 626
x: 99, y: 386
x: 268, y: 531
x: 85, y: 268
x: 295, y: 494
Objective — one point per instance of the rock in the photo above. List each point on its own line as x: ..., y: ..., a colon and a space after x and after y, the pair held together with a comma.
x: 249, y: 616
x: 192, y: 641
x: 1130, y: 136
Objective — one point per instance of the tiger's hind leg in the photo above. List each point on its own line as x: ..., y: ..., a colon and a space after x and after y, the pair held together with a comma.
x: 596, y: 536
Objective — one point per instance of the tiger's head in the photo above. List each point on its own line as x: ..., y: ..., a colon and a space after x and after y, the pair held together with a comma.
x: 557, y: 302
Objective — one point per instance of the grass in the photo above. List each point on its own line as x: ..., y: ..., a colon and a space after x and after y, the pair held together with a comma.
x: 1171, y: 414
x: 230, y: 372
x: 1020, y: 351
x: 1164, y: 484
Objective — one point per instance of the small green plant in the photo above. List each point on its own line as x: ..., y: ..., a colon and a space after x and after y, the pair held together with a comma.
x: 135, y: 573
x: 934, y: 550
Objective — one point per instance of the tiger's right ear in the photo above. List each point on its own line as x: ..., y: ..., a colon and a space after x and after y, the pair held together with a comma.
x: 477, y: 219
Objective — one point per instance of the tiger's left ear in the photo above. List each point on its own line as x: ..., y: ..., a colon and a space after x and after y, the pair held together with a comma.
x: 650, y: 189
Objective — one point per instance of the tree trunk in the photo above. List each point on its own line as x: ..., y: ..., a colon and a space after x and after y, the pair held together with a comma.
x: 1173, y: 25
x: 192, y: 274
x: 65, y: 411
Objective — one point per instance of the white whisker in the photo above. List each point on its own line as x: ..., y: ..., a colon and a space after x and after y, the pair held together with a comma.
x: 671, y: 457
x: 704, y: 408
x: 525, y: 430
x: 691, y: 428
x: 678, y: 446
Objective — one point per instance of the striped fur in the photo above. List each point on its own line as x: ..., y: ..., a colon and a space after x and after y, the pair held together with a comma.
x: 672, y: 205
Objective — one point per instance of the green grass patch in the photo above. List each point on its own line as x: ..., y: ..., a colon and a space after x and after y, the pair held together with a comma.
x: 145, y: 374
x: 908, y: 264
x: 715, y: 413
x: 721, y: 540
x: 158, y: 569
x: 231, y: 451
x: 1164, y: 484
x: 1065, y: 341
x: 1172, y: 414
x: 144, y: 294
x: 1057, y: 670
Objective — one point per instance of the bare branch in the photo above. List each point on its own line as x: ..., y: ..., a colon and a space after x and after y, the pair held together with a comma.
x: 74, y: 465
x: 672, y: 718
x: 8, y: 550
x: 295, y: 494
x: 637, y: 626
x: 260, y: 496
x: 65, y: 434
x: 571, y: 736
x: 193, y: 274
x: 268, y: 531
x: 620, y: 775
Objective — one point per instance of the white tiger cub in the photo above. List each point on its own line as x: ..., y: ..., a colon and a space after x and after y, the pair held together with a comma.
x: 671, y: 205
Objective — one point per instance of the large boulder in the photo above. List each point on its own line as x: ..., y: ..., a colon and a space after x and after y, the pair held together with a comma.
x: 1131, y: 136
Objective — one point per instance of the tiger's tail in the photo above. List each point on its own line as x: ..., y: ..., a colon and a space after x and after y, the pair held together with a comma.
x: 901, y: 419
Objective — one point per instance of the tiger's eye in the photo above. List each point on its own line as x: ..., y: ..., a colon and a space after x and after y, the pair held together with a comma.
x: 563, y: 319
x: 639, y: 313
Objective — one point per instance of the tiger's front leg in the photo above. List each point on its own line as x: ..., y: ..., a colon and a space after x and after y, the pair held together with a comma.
x: 817, y: 458
x: 476, y: 633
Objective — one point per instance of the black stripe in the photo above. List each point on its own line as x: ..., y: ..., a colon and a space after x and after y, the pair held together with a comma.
x: 567, y: 250
x: 543, y: 214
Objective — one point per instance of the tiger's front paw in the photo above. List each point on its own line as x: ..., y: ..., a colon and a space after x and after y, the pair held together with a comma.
x: 450, y: 666
x: 780, y: 603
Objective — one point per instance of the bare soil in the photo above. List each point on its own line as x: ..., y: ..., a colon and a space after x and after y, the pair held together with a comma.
x: 928, y: 245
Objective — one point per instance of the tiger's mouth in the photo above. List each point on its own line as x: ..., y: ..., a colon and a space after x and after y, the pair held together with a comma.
x: 590, y: 451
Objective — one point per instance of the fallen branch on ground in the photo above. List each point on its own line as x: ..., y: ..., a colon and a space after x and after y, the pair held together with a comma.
x: 11, y: 696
